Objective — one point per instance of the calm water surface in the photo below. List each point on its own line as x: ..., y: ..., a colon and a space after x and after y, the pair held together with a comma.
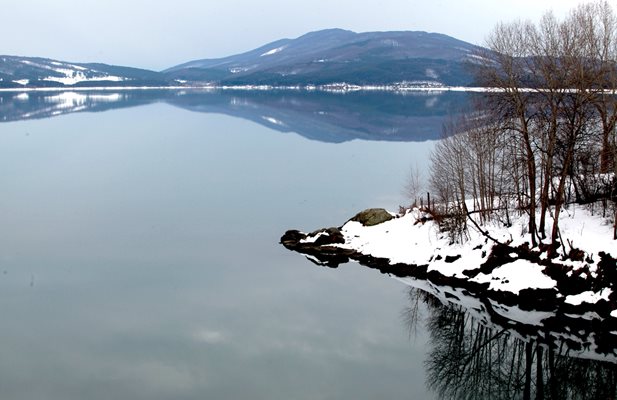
x: 139, y: 259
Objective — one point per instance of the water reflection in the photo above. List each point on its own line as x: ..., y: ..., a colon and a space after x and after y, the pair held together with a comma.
x: 471, y: 356
x: 139, y: 260
x: 321, y: 116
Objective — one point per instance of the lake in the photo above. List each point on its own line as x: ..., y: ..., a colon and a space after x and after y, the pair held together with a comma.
x: 140, y: 255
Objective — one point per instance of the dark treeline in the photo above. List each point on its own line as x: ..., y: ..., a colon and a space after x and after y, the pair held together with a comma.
x: 546, y: 136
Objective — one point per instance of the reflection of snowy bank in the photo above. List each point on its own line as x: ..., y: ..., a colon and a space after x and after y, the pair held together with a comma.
x: 506, y: 278
x: 575, y: 335
x: 54, y: 104
x: 476, y: 353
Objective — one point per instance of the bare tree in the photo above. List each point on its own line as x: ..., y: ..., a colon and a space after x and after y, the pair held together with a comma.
x: 554, y: 114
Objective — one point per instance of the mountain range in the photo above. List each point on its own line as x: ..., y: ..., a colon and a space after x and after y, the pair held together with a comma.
x: 317, y: 58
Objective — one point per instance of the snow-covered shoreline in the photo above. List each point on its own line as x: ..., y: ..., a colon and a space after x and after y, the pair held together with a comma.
x: 504, y: 276
x: 414, y: 239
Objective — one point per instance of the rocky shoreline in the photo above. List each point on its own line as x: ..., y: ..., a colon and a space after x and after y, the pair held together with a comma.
x: 572, y: 298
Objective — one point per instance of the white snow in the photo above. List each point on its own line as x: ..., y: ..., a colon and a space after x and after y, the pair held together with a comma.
x: 72, y: 74
x: 273, y: 51
x: 515, y: 276
x: 23, y: 82
x: 587, y: 232
x: 73, y: 77
x: 398, y: 239
x: 273, y: 120
x: 237, y: 70
x: 406, y: 239
x: 313, y: 239
x: 588, y: 297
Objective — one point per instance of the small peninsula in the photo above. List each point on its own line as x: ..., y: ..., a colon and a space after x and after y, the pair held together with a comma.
x: 494, y: 272
x: 497, y: 262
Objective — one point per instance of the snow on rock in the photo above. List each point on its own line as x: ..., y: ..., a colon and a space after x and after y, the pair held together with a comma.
x: 588, y: 297
x: 516, y: 276
x: 400, y: 240
x: 313, y: 239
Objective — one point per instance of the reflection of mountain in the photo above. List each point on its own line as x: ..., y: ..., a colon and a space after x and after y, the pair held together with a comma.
x: 326, y: 117
x: 337, y: 117
x: 484, y: 350
x: 36, y: 105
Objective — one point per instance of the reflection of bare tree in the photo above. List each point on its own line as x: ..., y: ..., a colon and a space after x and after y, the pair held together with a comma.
x: 471, y: 360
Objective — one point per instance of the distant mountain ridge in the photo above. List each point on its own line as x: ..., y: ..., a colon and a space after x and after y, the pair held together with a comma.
x: 336, y: 55
x: 16, y: 71
x: 316, y: 58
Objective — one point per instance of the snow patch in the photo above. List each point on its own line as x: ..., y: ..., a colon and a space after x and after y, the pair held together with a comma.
x: 515, y: 276
x: 72, y: 77
x: 273, y: 51
x: 431, y: 73
x: 313, y: 239
x: 588, y: 297
x: 273, y: 121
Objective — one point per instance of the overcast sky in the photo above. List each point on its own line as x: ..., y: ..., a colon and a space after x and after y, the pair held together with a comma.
x: 157, y: 34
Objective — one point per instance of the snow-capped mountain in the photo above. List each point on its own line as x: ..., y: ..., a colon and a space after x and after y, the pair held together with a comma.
x: 337, y: 55
x: 326, y: 57
x: 42, y: 72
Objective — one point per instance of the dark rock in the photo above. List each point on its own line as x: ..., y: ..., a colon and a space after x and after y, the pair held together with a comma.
x: 607, y: 270
x: 331, y: 236
x: 372, y: 216
x: 291, y: 238
x: 576, y: 254
x: 451, y: 259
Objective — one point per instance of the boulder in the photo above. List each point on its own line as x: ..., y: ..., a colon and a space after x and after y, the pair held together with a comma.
x: 372, y: 216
